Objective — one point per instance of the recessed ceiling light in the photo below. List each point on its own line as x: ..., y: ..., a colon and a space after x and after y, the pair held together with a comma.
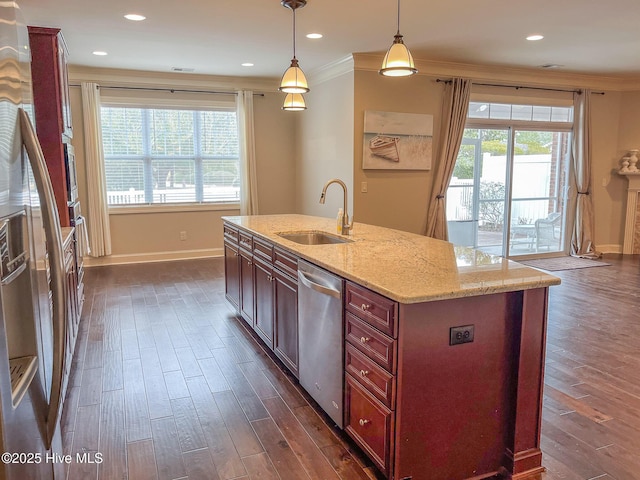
x: 135, y: 17
x: 551, y: 65
x: 533, y: 38
x: 247, y: 64
x: 314, y: 35
x: 100, y: 53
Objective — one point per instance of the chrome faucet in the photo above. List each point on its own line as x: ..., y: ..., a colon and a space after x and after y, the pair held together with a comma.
x: 346, y: 226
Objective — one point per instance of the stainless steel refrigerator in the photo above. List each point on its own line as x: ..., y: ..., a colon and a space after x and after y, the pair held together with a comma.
x: 32, y: 284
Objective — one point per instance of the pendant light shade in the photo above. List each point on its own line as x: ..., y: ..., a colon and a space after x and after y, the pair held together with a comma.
x: 294, y: 102
x: 294, y: 79
x: 398, y: 62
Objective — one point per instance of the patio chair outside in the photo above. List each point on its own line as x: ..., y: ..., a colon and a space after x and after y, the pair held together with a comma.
x: 548, y: 231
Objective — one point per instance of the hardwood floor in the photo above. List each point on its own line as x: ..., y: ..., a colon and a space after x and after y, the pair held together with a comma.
x: 591, y: 417
x: 167, y: 384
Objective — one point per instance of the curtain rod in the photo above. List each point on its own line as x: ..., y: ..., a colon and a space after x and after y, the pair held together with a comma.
x: 171, y: 90
x: 518, y: 87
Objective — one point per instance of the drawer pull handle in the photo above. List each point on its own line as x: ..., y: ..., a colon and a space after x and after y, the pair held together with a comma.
x: 365, y: 307
x: 364, y: 373
x: 249, y: 262
x: 364, y: 340
x: 363, y: 422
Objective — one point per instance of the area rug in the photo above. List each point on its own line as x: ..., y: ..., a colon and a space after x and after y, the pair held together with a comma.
x: 563, y: 263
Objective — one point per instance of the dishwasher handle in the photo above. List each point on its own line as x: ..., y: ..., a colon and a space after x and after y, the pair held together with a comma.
x: 305, y: 278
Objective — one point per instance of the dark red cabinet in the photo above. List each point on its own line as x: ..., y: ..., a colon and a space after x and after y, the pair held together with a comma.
x: 261, y: 284
x: 369, y: 423
x: 52, y: 110
x: 264, y: 295
x: 232, y: 273
x: 247, y: 302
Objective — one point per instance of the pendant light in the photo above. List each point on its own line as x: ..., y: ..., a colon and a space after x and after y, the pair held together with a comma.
x: 294, y: 80
x: 398, y: 61
x: 294, y: 102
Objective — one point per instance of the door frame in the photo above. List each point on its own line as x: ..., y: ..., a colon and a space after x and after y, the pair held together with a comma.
x: 564, y: 191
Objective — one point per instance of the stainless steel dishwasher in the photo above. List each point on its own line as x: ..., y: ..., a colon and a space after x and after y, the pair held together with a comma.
x: 321, y: 368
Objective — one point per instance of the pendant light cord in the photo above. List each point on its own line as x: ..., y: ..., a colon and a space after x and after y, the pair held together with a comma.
x: 398, y: 17
x: 294, y: 32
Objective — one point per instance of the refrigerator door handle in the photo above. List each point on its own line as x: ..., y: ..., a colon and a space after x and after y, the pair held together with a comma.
x: 51, y: 222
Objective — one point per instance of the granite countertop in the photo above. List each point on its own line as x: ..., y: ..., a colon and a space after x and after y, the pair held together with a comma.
x: 403, y: 266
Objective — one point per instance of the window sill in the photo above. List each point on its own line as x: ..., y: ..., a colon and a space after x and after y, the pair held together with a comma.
x: 178, y: 208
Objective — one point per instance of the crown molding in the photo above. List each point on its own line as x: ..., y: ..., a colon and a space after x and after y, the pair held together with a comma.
x: 332, y: 70
x: 509, y: 75
x: 138, y: 78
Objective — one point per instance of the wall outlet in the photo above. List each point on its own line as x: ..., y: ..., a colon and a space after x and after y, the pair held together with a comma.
x: 458, y: 335
x: 183, y: 236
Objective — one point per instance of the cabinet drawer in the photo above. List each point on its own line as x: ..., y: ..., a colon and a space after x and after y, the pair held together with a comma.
x: 285, y: 261
x: 376, y: 380
x: 371, y: 342
x: 231, y: 233
x: 369, y: 423
x: 375, y: 309
x: 246, y: 241
x: 263, y: 249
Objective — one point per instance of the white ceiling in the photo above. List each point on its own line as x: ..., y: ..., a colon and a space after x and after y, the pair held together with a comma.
x: 216, y: 36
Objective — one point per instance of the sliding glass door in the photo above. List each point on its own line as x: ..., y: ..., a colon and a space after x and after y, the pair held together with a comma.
x: 476, y: 200
x: 507, y: 193
x: 538, y: 191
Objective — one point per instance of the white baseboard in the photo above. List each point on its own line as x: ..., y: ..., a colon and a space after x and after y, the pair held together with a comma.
x: 612, y: 248
x: 152, y: 257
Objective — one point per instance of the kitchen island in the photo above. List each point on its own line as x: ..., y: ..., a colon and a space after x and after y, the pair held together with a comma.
x: 443, y: 345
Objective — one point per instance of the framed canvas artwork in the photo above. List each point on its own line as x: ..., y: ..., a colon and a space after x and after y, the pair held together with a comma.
x: 397, y: 141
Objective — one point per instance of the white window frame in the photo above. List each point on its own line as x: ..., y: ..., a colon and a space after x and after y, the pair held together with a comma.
x: 132, y: 99
x: 512, y: 126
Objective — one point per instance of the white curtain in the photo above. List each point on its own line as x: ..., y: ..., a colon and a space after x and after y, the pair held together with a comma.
x: 98, y: 213
x: 583, y: 231
x: 249, y: 181
x: 454, y: 117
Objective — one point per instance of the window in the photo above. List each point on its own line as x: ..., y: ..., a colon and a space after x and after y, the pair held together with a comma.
x: 508, y: 195
x: 531, y: 113
x: 170, y: 156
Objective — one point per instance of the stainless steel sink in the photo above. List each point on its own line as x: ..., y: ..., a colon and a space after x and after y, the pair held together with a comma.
x: 314, y: 237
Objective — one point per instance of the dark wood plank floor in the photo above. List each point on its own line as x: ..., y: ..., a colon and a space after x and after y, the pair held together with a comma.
x: 591, y: 417
x: 167, y: 384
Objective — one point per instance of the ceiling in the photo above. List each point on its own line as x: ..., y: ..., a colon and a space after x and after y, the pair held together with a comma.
x: 216, y: 36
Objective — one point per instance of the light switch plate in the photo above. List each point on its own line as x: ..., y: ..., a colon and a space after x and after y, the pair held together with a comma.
x: 363, y: 187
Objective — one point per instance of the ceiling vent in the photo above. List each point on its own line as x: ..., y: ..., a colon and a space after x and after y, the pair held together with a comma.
x: 182, y: 69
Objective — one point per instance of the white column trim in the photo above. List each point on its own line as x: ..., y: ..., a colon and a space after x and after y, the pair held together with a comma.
x: 632, y: 205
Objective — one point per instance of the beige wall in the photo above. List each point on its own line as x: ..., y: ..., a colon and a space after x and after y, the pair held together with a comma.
x: 275, y: 151
x: 156, y: 235
x: 394, y: 199
x: 609, y: 189
x: 399, y: 199
x: 298, y: 152
x: 325, y: 146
